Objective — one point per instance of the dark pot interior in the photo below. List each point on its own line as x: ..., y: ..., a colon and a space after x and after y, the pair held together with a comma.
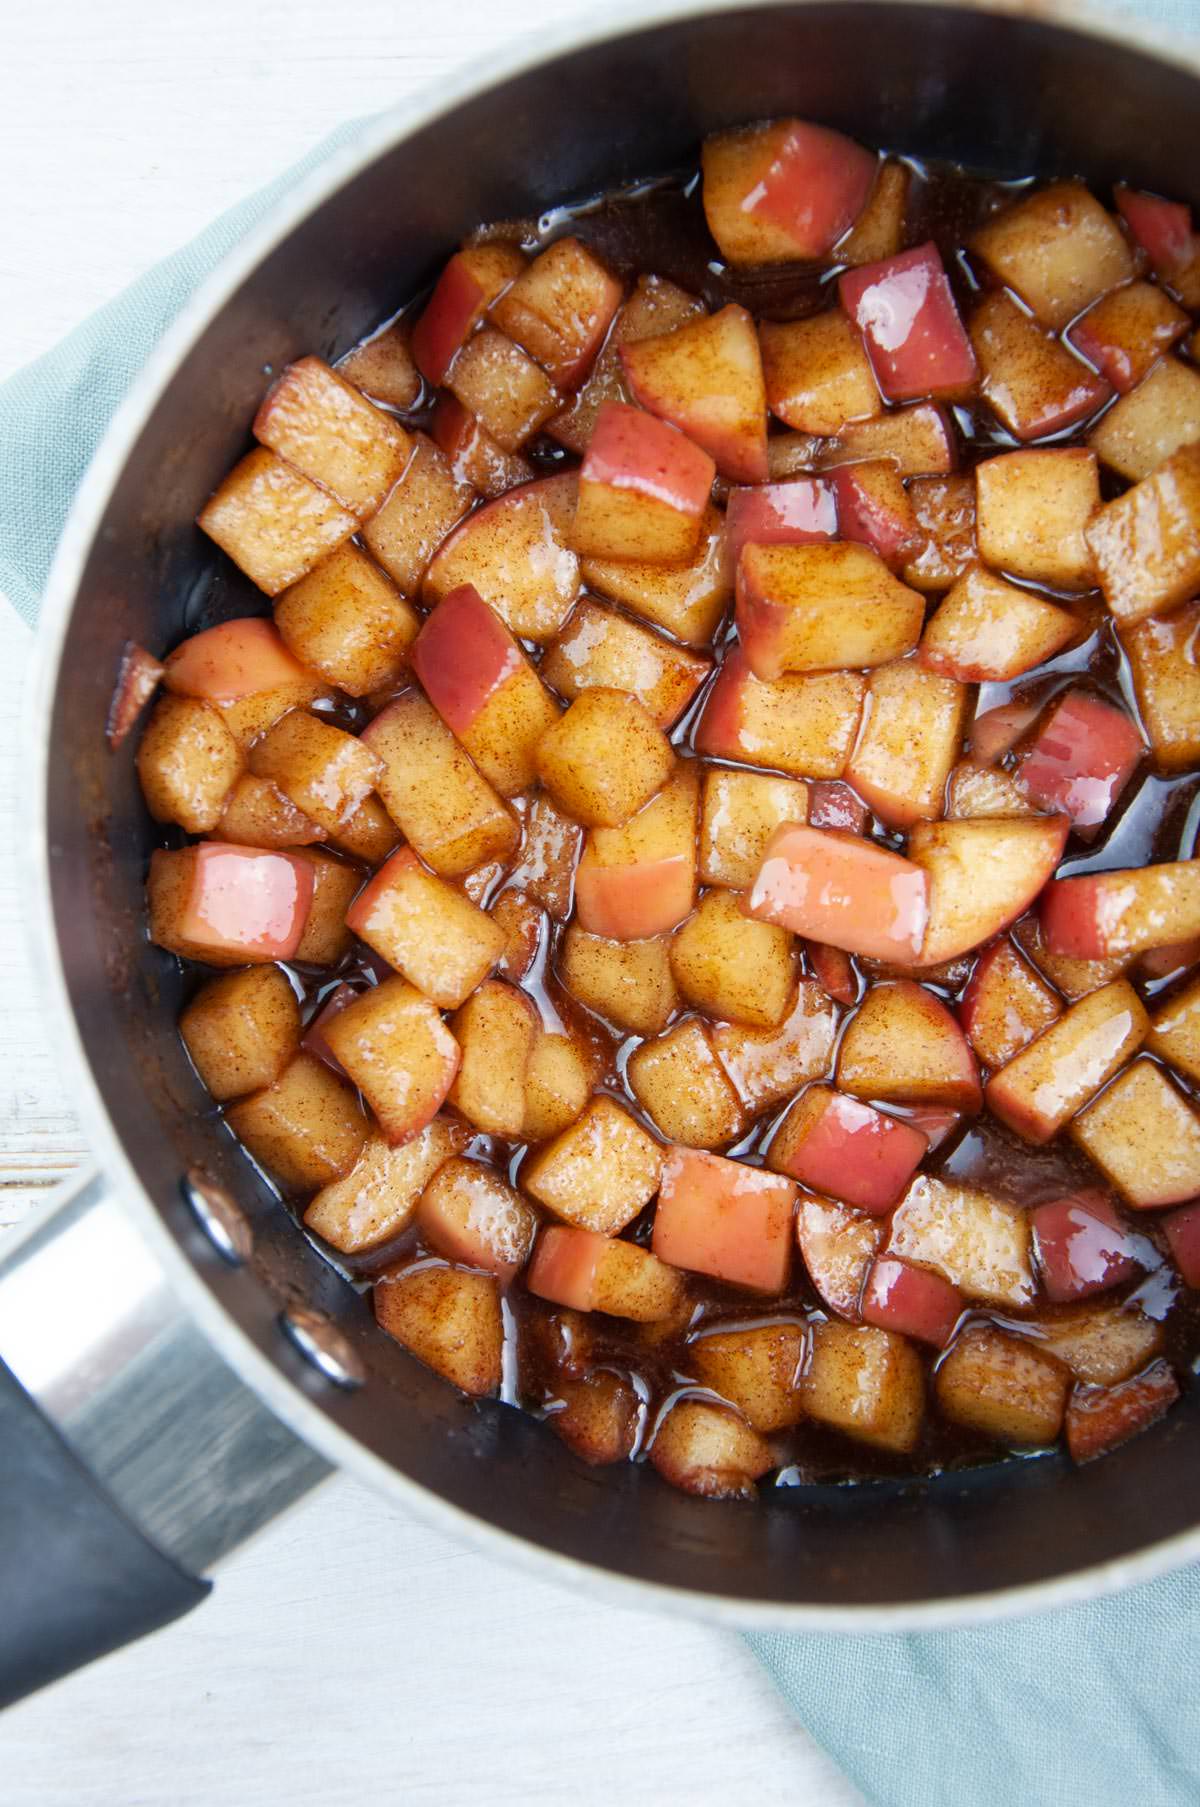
x: 1008, y: 95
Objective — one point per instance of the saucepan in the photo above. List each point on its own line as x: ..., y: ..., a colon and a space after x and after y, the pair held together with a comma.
x: 180, y: 1365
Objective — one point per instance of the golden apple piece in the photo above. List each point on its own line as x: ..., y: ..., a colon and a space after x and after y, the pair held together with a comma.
x: 443, y: 805
x: 1101, y: 1341
x: 1004, y: 1387
x: 867, y: 1383
x: 274, y: 524
x: 1142, y: 429
x: 188, y: 763
x: 979, y: 1242
x: 732, y: 967
x: 599, y: 1173
x: 628, y: 982
x: 329, y: 431
x: 911, y: 735
x: 756, y: 1369
x: 449, y: 1320
x: 604, y: 758
x: 496, y: 1029
x: 241, y: 1030
x: 558, y: 1084
x: 1032, y: 512
x: 597, y: 1418
x: 683, y: 1088
x: 708, y: 1450
x: 739, y: 813
x: 1144, y: 1136
x: 349, y: 622
x: 430, y: 499
x: 305, y: 1128
x: 378, y: 1197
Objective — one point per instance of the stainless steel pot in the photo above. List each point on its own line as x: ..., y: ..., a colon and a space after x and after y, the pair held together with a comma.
x: 189, y: 1344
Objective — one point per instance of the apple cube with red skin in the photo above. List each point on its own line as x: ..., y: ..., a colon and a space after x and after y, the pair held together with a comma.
x: 740, y: 811
x: 688, y: 599
x: 1005, y: 1005
x: 1029, y: 379
x: 187, y: 763
x: 911, y: 1301
x: 347, y: 621
x: 767, y: 1065
x: 471, y: 1216
x: 484, y: 688
x: 604, y: 759
x: 910, y: 737
x: 1166, y: 681
x: 706, y: 378
x: 448, y: 1319
x: 803, y: 723
x: 990, y: 631
x: 138, y: 677
x: 982, y: 790
x: 397, y: 1050
x: 1127, y: 331
x: 1169, y: 961
x: 590, y: 1272
x: 834, y: 972
x: 376, y: 1200
x: 1182, y: 1231
x: 709, y: 1450
x: 383, y: 367
x: 241, y: 1030
x: 832, y: 804
x: 1144, y: 1136
x: 324, y: 771
x: 430, y: 499
x: 1004, y: 1387
x: 1084, y: 1248
x: 797, y: 513
x: 559, y: 309
x: 919, y: 440
x: 903, y: 1045
x: 837, y: 1246
x: 1164, y: 230
x: 683, y: 1088
x: 732, y: 968
x: 982, y: 874
x: 979, y: 1242
x: 496, y: 1029
x: 655, y: 306
x: 426, y: 929
x: 601, y: 648
x: 997, y: 731
x: 599, y: 1173
x: 431, y: 790
x: 475, y: 457
x: 1081, y: 758
x: 643, y: 489
x: 1154, y: 420
x: 306, y: 1128
x: 1058, y: 249
x: 911, y: 326
x: 944, y: 515
x: 842, y: 1147
x: 822, y: 607
x: 873, y: 510
x: 470, y: 282
x: 1100, y: 1421
x: 718, y: 1217
x: 639, y: 880
x: 273, y: 522
x: 226, y: 905
x: 1074, y: 978
x: 628, y: 982
x: 1105, y: 914
x: 1033, y: 510
x: 1051, y: 1079
x: 328, y: 431
x: 756, y: 1369
x: 839, y: 888
x: 514, y: 552
x: 867, y: 1383
x: 238, y: 660
x: 1146, y: 543
x: 786, y: 191
x: 503, y: 387
x: 817, y: 374
x: 558, y: 1083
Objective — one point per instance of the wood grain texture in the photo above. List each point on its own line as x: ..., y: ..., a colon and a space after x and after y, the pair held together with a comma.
x: 349, y: 1651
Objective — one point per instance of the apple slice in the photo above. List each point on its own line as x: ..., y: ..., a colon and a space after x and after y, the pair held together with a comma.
x: 640, y: 880
x: 643, y: 489
x: 426, y: 929
x: 1083, y: 755
x: 904, y: 1046
x: 837, y: 1246
x: 1084, y: 1248
x: 1182, y: 1231
x: 383, y: 367
x: 599, y: 1173
x: 776, y: 193
x: 475, y: 457
x: 914, y: 1301
x: 245, y: 671
x: 430, y: 500
x: 1144, y: 1136
x: 1051, y: 1079
x: 375, y: 1202
x: 514, y: 552
x: 683, y: 1088
x: 1127, y: 331
x: 845, y: 1148
x: 874, y: 510
x: 687, y: 600
x: 978, y: 1242
x: 1176, y: 1033
x: 982, y: 790
x: 835, y: 887
x: 832, y: 804
x: 1166, y: 680
x: 1074, y: 978
x: 1058, y: 248
x: 706, y: 378
x: 997, y: 730
x: 834, y: 972
x: 559, y: 309
x: 919, y: 440
x: 878, y: 231
x: 765, y: 1066
x: 982, y: 875
x: 719, y: 1217
x: 394, y: 1045
x: 910, y: 737
x: 796, y: 513
x: 817, y: 374
x: 1100, y: 1421
x: 1107, y: 914
x: 1005, y: 1005
x: 138, y: 677
x: 1146, y: 543
x: 1030, y: 380
x: 590, y: 1272
x: 911, y: 326
x: 944, y: 511
x: 990, y: 631
x: 1164, y: 230
x: 822, y: 608
x: 228, y: 905
x: 804, y: 723
x: 328, y: 431
x: 756, y: 1369
x: 471, y: 281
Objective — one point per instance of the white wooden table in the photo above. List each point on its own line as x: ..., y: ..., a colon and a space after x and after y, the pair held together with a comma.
x: 348, y: 1650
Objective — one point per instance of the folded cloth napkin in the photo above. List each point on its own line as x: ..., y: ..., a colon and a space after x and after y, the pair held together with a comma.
x: 1089, y: 1707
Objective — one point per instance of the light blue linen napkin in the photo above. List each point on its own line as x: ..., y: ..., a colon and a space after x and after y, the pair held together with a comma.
x: 1094, y: 1706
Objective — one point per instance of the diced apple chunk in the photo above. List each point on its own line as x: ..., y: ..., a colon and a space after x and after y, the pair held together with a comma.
x: 1080, y: 759
x: 912, y: 1301
x: 274, y: 524
x: 733, y: 967
x: 475, y: 457
x: 238, y: 661
x: 656, y: 306
x: 348, y: 621
x: 1074, y: 978
x: 604, y: 759
x: 1182, y: 1231
x: 1051, y: 1079
x: 639, y: 881
x: 796, y: 513
x: 1163, y: 658
x: 818, y: 375
x: 979, y: 1242
x: 874, y: 510
x: 328, y: 431
x: 910, y: 737
x: 326, y: 772
x: 847, y: 1149
x: 722, y: 1218
x: 944, y: 511
x: 1004, y: 1387
x: 548, y: 858
x: 878, y: 231
x: 383, y: 367
x: 988, y: 630
x: 707, y: 1450
x: 1164, y: 230
x: 682, y: 1086
x: 1101, y: 1342
x: 557, y: 1086
x: 1144, y: 1136
x: 522, y: 923
x: 706, y: 378
x: 982, y: 875
x: 378, y: 1197
x: 1033, y: 509
x: 559, y: 309
x: 187, y: 762
x: 904, y: 1046
x: 305, y: 1128
x: 1122, y: 912
x: 1175, y: 1035
x: 1084, y: 1248
x: 905, y: 309
x: 427, y: 930
x: 397, y: 1050
x: 756, y: 1369
x: 739, y: 813
x: 643, y: 489
x: 468, y: 285
x: 834, y: 972
x: 1005, y: 1005
x: 804, y: 723
x: 821, y: 607
x: 919, y: 440
x: 446, y: 808
x: 334, y: 884
x: 984, y: 790
x: 1030, y: 380
x: 767, y: 1065
x: 838, y: 1246
x: 227, y: 905
x: 1146, y: 543
x: 449, y: 1320
x: 590, y: 1272
x: 496, y: 381
x: 138, y: 677
x: 629, y: 982
x: 1058, y: 249
x: 1154, y: 420
x: 599, y: 1173
x: 496, y: 1029
x: 838, y: 888
x: 428, y: 501
x: 996, y: 731
x: 1098, y: 1422
x: 241, y: 1030
x: 597, y: 1417
x: 774, y: 193
x: 687, y: 600
x: 514, y: 552
x: 601, y: 648
x: 471, y: 1216
x: 867, y: 1383
x: 1127, y: 331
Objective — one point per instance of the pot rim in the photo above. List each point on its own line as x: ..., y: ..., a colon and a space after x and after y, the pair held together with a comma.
x: 287, y: 1400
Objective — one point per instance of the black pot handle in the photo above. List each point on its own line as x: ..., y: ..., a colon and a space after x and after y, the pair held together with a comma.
x: 77, y: 1579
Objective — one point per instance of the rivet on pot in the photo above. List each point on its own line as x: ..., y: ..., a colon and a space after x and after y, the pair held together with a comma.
x: 323, y: 1344
x: 219, y: 1216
